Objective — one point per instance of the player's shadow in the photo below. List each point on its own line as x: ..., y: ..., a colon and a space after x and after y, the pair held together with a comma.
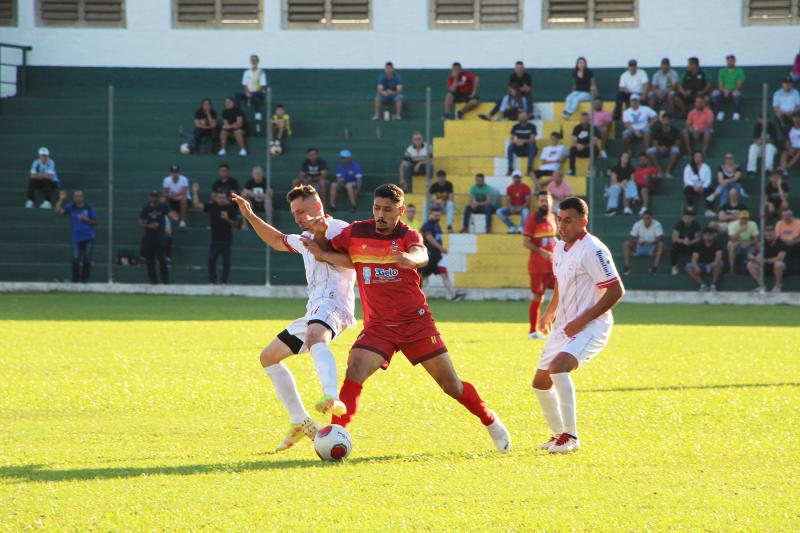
x: 696, y: 387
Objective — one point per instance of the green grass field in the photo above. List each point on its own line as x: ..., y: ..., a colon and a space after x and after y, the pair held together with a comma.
x: 149, y: 412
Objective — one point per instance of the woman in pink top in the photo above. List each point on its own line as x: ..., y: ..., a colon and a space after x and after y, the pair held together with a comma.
x: 795, y: 73
x: 558, y: 189
x: 602, y: 123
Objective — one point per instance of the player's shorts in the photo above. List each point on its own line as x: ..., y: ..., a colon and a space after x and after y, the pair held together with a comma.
x: 584, y: 346
x: 434, y: 261
x: 418, y: 340
x: 327, y: 313
x: 541, y: 281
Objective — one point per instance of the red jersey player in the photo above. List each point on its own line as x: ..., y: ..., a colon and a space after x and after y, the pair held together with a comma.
x: 386, y: 254
x: 540, y: 238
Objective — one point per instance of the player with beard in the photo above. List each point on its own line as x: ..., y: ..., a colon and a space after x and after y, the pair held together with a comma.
x: 540, y: 238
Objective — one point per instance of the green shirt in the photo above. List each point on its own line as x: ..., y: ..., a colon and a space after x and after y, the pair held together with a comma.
x: 730, y: 79
x: 480, y: 193
x: 747, y: 236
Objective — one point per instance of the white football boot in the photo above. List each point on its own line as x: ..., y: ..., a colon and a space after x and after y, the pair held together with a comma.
x: 566, y: 443
x: 549, y: 443
x: 499, y: 434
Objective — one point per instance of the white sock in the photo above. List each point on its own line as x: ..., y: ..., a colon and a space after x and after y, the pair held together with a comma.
x: 286, y: 389
x: 565, y: 389
x: 548, y: 400
x: 326, y: 369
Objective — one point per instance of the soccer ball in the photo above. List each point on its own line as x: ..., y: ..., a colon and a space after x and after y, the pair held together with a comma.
x: 185, y: 149
x: 333, y: 443
x: 276, y: 149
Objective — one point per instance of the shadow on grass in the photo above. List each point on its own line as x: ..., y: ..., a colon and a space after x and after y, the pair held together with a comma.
x: 695, y: 387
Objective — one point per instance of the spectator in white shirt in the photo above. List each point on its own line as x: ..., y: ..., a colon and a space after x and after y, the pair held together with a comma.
x: 415, y: 160
x: 763, y: 140
x: 551, y: 159
x: 254, y: 83
x: 177, y: 194
x: 43, y: 179
x: 663, y: 86
x: 632, y: 81
x: 638, y: 120
x: 645, y: 239
x: 697, y: 183
x: 785, y: 102
x: 791, y: 155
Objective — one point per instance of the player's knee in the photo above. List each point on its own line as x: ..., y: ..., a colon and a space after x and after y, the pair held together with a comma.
x: 452, y: 386
x: 268, y: 358
x: 541, y: 381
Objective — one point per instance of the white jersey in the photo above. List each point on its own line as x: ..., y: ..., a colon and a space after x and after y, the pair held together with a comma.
x: 326, y: 282
x: 582, y: 272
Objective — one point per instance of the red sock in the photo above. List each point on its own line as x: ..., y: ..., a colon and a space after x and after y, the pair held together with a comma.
x: 349, y: 394
x: 472, y: 401
x: 533, y: 315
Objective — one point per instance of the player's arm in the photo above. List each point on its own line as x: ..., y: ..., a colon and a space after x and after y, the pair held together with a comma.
x: 527, y: 242
x: 549, y: 316
x: 612, y: 295
x: 415, y: 257
x: 336, y: 259
x: 430, y: 241
x: 267, y: 233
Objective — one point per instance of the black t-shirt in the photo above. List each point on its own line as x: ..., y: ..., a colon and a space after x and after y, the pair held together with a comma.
x: 313, y: 170
x: 772, y: 133
x: 707, y: 254
x: 695, y: 82
x: 519, y: 81
x: 258, y: 188
x: 729, y: 174
x: 524, y: 131
x: 158, y: 214
x: 687, y: 231
x: 623, y: 173
x: 773, y: 194
x: 440, y: 191
x: 772, y: 249
x: 225, y: 186
x: 729, y: 209
x: 582, y: 132
x: 201, y: 115
x: 434, y: 229
x: 231, y: 115
x: 664, y: 137
x: 220, y: 229
x: 583, y: 84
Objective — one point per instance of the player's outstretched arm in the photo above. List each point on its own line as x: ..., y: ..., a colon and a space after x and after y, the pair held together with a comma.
x: 336, y: 259
x: 267, y: 233
x: 549, y: 316
x: 612, y: 295
x: 415, y: 257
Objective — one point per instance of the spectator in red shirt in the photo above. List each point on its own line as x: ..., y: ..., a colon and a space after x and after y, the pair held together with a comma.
x: 699, y: 125
x: 462, y: 88
x: 644, y: 176
x: 519, y: 197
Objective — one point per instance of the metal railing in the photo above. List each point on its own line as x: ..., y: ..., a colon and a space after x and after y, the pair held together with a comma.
x: 20, y: 81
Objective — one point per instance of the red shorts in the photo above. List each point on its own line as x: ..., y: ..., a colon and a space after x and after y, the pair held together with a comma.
x: 418, y: 340
x: 541, y: 281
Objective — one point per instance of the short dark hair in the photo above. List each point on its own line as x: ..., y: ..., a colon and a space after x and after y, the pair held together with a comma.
x: 435, y: 209
x: 573, y: 202
x: 224, y: 165
x: 279, y: 106
x: 694, y: 60
x: 519, y: 63
x: 204, y: 100
x: 390, y: 191
x: 479, y: 175
x: 312, y: 149
x: 412, y: 205
x: 543, y: 192
x: 708, y: 230
x: 457, y: 64
x: 440, y: 173
x: 231, y: 98
x: 389, y: 64
x: 301, y: 191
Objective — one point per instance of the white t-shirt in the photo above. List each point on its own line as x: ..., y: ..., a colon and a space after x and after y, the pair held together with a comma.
x: 645, y: 234
x: 701, y: 178
x: 582, y: 273
x: 416, y: 155
x: 255, y: 81
x: 326, y: 281
x: 794, y: 138
x: 634, y: 83
x: 174, y: 188
x: 787, y: 102
x: 639, y: 118
x: 549, y: 153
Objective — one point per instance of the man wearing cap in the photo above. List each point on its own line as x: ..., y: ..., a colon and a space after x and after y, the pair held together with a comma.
x: 791, y: 155
x: 645, y: 239
x: 522, y: 142
x: 153, y: 220
x: 518, y: 196
x: 176, y: 194
x: 632, y: 81
x: 83, y: 220
x: 348, y: 176
x: 663, y: 86
x: 729, y: 88
x: 693, y: 84
x: 785, y: 102
x: 43, y: 179
x: 638, y: 120
x: 742, y: 235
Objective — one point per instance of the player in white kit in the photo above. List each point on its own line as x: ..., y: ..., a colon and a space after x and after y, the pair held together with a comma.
x: 330, y: 310
x: 587, y: 286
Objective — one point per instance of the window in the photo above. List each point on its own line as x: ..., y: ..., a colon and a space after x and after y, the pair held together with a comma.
x: 8, y: 12
x: 476, y: 14
x: 327, y: 14
x: 591, y: 13
x: 103, y: 13
x: 772, y: 11
x: 240, y: 14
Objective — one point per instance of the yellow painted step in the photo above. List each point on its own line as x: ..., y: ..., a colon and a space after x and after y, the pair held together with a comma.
x: 492, y: 281
x: 497, y: 264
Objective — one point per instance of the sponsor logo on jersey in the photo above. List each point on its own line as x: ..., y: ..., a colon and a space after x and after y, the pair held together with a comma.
x: 386, y: 272
x: 366, y: 272
x: 603, y: 263
x: 394, y: 247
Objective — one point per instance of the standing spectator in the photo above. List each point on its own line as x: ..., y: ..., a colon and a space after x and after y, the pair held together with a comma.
x: 621, y: 183
x: 410, y: 218
x: 583, y: 88
x: 522, y: 142
x: 742, y: 235
x: 728, y: 212
x: 774, y: 261
x: 791, y: 155
x: 788, y: 230
x: 693, y: 84
x: 223, y: 216
x: 83, y: 220
x: 348, y: 177
x: 281, y: 124
x: 153, y: 220
x: 729, y: 176
x: 521, y: 80
x: 256, y: 192
x: 776, y: 194
x: 551, y: 159
x: 559, y: 190
x: 462, y: 88
x: 697, y: 183
x: 205, y: 126
x: 632, y: 81
x: 43, y: 179
x: 685, y: 235
x: 638, y: 120
x: 390, y: 92
x: 581, y: 143
x: 415, y: 160
x: 314, y: 169
x: 666, y: 144
x: 699, y: 125
x: 442, y: 196
x: 481, y: 200
x: 254, y: 84
x: 706, y: 259
x: 432, y: 235
x: 232, y: 126
x: 785, y: 102
x: 176, y: 193
x: 518, y: 196
x: 602, y: 123
x: 645, y: 239
x: 644, y: 177
x: 509, y: 107
x: 225, y: 183
x: 762, y: 141
x: 729, y: 88
x: 663, y: 87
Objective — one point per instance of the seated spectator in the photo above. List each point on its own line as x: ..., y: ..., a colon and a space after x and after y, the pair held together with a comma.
x: 509, y: 107
x: 706, y: 259
x: 685, y: 235
x: 432, y: 237
x: 522, y: 142
x: 83, y: 220
x: 153, y: 220
x: 43, y: 179
x: 223, y: 217
x: 693, y: 84
x: 518, y: 196
x: 583, y: 88
x: 632, y: 81
x: 176, y: 194
x: 390, y: 92
x: 728, y: 212
x: 774, y: 261
x: 699, y: 125
x: 762, y: 142
x: 776, y: 194
x: 462, y: 88
x: 742, y: 235
x: 410, y: 217
x: 638, y: 120
x: 581, y: 145
x: 225, y: 183
x: 254, y: 84
x: 791, y: 155
x: 281, y: 130
x: 205, y: 126
x: 232, y: 126
x: 621, y: 183
x: 442, y: 196
x: 697, y: 183
x: 602, y: 125
x: 729, y: 177
x: 550, y: 160
x: 729, y: 88
x: 663, y: 87
x: 481, y: 200
x: 645, y: 239
x: 415, y: 160
x: 522, y: 81
x: 788, y: 230
x: 314, y: 171
x: 785, y: 103
x: 256, y: 192
x: 559, y: 190
x: 644, y: 177
x: 666, y: 145
x: 348, y: 177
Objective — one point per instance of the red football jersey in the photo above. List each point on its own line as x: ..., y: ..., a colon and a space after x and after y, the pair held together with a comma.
x: 542, y: 230
x: 389, y: 295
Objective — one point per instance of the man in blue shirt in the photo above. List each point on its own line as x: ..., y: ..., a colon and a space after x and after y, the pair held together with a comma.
x: 153, y: 220
x: 43, y: 179
x: 348, y: 177
x: 432, y: 236
x: 390, y: 91
x: 83, y: 219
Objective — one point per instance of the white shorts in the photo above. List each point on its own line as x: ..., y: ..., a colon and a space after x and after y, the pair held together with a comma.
x: 584, y: 346
x: 326, y: 313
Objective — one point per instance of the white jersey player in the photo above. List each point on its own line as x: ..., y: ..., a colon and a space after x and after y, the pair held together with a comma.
x: 330, y: 310
x: 587, y: 286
